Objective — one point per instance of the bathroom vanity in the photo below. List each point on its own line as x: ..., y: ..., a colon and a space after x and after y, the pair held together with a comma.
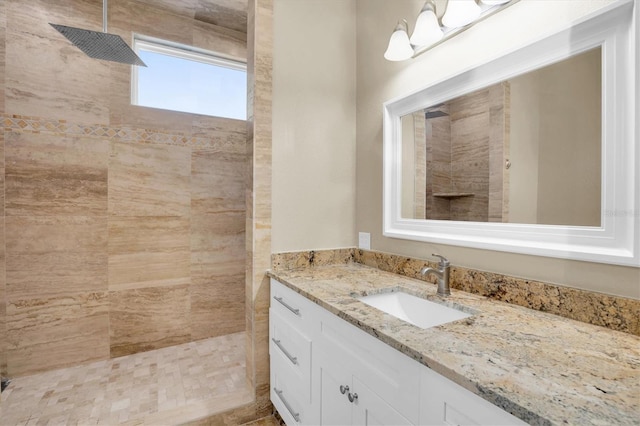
x: 337, y: 360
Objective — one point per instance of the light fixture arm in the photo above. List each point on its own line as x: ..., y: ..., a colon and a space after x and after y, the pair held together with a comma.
x: 429, y: 5
x: 402, y: 25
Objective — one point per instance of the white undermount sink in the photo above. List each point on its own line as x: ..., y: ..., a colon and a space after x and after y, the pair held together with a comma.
x: 415, y: 310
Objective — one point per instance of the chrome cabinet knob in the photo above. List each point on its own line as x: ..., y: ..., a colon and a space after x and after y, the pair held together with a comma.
x: 344, y: 389
x: 352, y: 397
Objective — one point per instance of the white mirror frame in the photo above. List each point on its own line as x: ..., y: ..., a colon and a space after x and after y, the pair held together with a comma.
x: 617, y: 240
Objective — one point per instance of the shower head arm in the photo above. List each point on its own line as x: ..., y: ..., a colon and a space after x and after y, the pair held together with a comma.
x: 104, y: 16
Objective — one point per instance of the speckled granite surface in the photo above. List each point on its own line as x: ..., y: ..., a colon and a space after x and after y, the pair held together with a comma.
x: 616, y: 313
x: 542, y: 368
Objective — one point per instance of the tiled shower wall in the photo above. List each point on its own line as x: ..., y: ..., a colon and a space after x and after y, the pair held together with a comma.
x: 466, y: 151
x: 123, y: 226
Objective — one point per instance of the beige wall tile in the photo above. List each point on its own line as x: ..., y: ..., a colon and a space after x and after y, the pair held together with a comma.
x: 232, y: 132
x: 49, y: 76
x: 49, y: 333
x: 259, y: 148
x: 217, y: 246
x: 55, y: 256
x: 55, y: 175
x: 149, y: 180
x: 217, y: 182
x: 90, y: 212
x: 3, y: 31
x: 227, y: 42
x: 3, y: 339
x: 261, y: 330
x: 498, y: 147
x: 217, y: 308
x: 122, y: 113
x: 2, y: 162
x: 438, y: 165
x: 217, y: 274
x: 148, y: 318
x: 148, y: 252
x: 134, y: 16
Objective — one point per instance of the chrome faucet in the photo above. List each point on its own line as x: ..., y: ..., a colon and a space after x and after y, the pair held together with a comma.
x: 442, y: 273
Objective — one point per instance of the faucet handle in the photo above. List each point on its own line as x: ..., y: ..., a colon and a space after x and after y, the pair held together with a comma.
x: 444, y: 262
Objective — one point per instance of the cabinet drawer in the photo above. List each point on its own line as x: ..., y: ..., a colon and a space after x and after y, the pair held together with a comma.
x: 447, y: 403
x: 286, y: 393
x: 296, y: 309
x: 293, y: 348
x: 394, y: 376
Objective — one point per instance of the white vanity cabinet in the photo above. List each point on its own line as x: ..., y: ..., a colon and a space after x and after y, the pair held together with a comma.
x: 292, y: 319
x: 325, y: 371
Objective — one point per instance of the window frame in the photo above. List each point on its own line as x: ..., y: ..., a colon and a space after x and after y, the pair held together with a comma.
x: 180, y: 51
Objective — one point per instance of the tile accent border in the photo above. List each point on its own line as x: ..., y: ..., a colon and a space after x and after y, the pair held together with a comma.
x: 23, y: 124
x: 613, y: 312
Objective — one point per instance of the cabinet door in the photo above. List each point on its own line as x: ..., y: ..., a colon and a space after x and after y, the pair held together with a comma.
x: 335, y: 371
x: 393, y: 376
x: 369, y: 409
x: 447, y: 403
x: 335, y: 408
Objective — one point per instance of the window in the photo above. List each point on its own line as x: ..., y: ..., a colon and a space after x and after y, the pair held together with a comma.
x: 187, y: 79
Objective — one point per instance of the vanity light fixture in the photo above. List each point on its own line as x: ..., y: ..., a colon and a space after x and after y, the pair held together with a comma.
x: 399, y: 48
x: 429, y: 32
x: 460, y: 13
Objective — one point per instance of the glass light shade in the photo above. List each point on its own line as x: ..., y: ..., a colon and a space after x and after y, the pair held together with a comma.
x: 427, y: 30
x: 494, y: 2
x: 460, y: 13
x: 399, y: 48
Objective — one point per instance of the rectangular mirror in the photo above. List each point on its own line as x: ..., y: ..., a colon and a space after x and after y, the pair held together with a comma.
x: 524, y: 150
x: 534, y: 152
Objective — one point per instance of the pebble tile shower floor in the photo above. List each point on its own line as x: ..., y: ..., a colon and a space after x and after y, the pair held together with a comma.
x: 165, y: 386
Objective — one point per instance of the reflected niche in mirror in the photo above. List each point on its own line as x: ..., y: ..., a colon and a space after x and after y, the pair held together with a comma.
x: 525, y: 150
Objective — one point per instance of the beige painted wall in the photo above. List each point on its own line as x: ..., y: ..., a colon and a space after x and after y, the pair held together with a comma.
x: 570, y: 142
x: 314, y: 124
x: 523, y: 178
x: 555, y: 150
x: 379, y: 81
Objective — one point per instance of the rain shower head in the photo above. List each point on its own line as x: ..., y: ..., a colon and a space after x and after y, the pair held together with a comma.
x: 100, y: 45
x: 435, y: 114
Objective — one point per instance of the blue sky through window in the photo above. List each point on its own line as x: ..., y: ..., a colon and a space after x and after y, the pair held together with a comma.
x: 184, y: 85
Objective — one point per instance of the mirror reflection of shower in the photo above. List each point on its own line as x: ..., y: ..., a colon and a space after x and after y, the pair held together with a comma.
x: 525, y: 150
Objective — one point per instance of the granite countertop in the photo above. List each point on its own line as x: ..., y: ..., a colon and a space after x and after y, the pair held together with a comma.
x: 542, y: 368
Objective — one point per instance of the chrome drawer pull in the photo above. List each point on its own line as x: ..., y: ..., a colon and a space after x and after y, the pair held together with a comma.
x: 296, y: 416
x: 293, y: 359
x: 295, y: 311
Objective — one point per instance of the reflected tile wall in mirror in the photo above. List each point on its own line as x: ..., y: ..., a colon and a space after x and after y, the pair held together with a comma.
x: 526, y: 150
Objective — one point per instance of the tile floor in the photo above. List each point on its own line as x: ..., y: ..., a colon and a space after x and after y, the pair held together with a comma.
x: 165, y: 386
x: 266, y: 421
